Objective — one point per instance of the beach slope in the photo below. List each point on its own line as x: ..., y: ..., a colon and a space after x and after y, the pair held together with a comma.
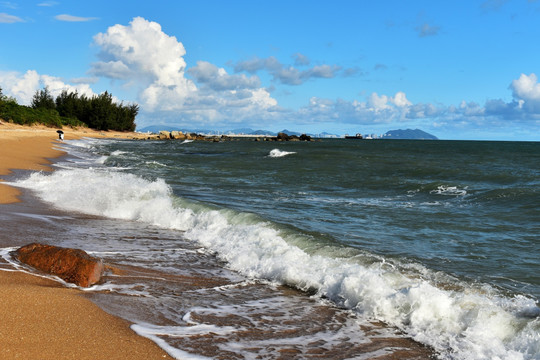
x: 40, y: 319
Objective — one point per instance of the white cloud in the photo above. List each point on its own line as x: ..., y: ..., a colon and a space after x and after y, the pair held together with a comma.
x: 71, y: 18
x: 525, y: 105
x: 376, y: 109
x: 20, y: 87
x: 110, y: 69
x: 526, y: 88
x: 218, y: 79
x: 9, y: 19
x: 378, y: 103
x: 146, y: 58
x: 400, y: 99
x: 23, y: 87
x: 526, y: 93
x: 56, y: 85
x: 143, y: 50
x: 290, y: 75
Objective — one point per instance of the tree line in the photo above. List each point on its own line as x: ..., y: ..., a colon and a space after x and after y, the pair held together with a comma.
x: 69, y: 108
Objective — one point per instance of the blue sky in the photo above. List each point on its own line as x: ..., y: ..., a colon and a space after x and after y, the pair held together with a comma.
x: 457, y: 69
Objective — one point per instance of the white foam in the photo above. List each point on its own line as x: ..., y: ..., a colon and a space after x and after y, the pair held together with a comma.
x: 474, y: 323
x: 276, y: 153
x: 152, y: 332
x: 156, y: 163
x: 449, y: 191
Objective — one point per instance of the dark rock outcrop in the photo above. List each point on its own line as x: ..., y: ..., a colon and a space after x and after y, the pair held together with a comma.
x: 72, y: 265
x: 284, y: 137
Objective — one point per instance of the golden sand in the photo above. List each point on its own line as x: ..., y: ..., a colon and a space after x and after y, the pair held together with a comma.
x: 39, y: 319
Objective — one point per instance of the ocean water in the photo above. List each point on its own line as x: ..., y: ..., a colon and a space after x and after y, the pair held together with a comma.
x: 330, y: 249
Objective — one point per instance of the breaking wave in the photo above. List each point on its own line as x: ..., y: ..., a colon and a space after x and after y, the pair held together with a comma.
x: 460, y: 320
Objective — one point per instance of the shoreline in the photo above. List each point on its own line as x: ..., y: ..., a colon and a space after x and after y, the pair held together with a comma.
x: 41, y: 318
x: 31, y: 148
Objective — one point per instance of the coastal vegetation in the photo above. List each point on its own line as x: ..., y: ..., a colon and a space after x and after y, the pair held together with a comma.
x: 69, y: 108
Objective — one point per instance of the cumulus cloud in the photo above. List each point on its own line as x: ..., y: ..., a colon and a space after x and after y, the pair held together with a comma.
x: 71, y: 18
x: 526, y: 88
x: 142, y: 50
x: 9, y: 19
x: 400, y: 100
x: 23, y: 86
x: 375, y: 110
x: 287, y: 74
x: 525, y: 104
x: 144, y: 57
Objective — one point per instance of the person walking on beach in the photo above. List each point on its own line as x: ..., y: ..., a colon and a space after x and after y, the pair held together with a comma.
x: 60, y: 135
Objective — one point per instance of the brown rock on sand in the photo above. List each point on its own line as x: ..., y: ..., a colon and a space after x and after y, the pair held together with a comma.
x: 72, y: 265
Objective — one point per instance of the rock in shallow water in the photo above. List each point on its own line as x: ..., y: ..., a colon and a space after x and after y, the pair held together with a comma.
x: 72, y: 265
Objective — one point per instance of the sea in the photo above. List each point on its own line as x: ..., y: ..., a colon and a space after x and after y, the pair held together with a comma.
x: 329, y: 249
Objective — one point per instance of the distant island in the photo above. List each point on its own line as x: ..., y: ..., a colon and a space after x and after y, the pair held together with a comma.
x: 409, y: 134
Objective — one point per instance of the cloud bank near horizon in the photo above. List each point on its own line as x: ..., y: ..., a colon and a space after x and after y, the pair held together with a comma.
x: 143, y: 58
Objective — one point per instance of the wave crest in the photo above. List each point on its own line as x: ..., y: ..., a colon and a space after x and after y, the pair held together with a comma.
x: 276, y: 153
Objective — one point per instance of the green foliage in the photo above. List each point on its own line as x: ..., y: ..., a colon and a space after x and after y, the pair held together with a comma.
x: 98, y: 112
x: 25, y: 115
x: 43, y: 99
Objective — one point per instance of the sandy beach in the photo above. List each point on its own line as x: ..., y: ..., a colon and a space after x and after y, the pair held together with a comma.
x: 40, y: 319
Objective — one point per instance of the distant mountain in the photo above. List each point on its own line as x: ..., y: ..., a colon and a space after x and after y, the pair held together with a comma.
x: 240, y: 131
x: 409, y: 134
x: 325, y: 134
x: 157, y: 128
x: 249, y: 131
x: 263, y: 132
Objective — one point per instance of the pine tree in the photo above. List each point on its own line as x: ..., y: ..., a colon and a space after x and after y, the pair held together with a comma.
x: 43, y: 99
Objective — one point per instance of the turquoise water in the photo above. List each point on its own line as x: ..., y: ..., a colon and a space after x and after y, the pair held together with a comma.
x: 438, y: 239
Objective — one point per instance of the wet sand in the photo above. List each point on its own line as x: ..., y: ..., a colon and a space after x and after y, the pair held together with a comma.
x: 40, y: 319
